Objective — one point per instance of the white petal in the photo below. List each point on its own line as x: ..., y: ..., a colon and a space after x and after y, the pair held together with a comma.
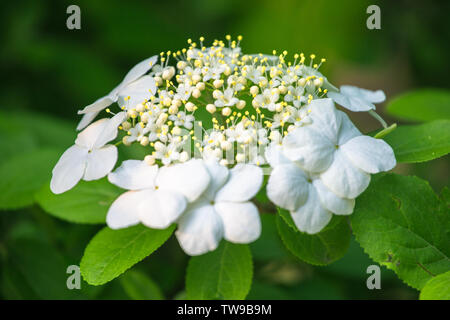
x: 307, y: 146
x: 139, y: 70
x: 288, y: 187
x: 347, y: 130
x: 86, y: 120
x: 100, y: 162
x: 368, y: 95
x: 190, y: 178
x: 124, y: 211
x: 369, y: 154
x: 100, y: 132
x: 138, y: 91
x: 69, y: 169
x: 200, y: 230
x: 325, y: 118
x: 352, y: 103
x: 243, y: 183
x: 312, y: 217
x: 332, y: 202
x: 134, y: 175
x: 343, y: 178
x: 274, y: 155
x: 161, y: 208
x: 98, y: 105
x: 241, y: 221
x: 219, y: 175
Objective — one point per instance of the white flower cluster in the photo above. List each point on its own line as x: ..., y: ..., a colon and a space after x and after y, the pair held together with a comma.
x: 210, y: 124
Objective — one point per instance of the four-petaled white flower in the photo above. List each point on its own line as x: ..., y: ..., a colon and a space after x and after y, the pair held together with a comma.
x: 157, y: 197
x: 126, y: 88
x: 91, y: 158
x: 227, y: 99
x: 320, y: 168
x: 357, y: 99
x: 223, y: 211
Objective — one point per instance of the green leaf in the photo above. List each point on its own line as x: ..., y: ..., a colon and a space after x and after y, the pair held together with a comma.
x: 320, y: 249
x: 23, y: 175
x: 225, y: 273
x: 400, y: 223
x: 139, y: 286
x: 438, y: 288
x: 112, y: 252
x: 421, y: 105
x: 87, y: 202
x: 418, y: 143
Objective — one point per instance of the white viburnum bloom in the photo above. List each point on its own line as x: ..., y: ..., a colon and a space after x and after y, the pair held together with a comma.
x: 226, y: 99
x: 157, y: 197
x: 223, y: 211
x: 309, y: 201
x: 334, y: 148
x: 268, y: 99
x: 357, y: 99
x: 91, y: 158
x: 92, y: 110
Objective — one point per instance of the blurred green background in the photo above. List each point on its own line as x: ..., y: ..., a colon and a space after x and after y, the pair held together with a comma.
x: 49, y: 70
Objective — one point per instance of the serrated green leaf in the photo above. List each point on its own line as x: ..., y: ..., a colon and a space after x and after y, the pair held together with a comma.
x: 23, y: 175
x: 112, y: 252
x: 437, y: 288
x: 139, y: 286
x: 421, y: 105
x: 225, y: 273
x: 418, y: 143
x: 320, y: 249
x: 401, y: 224
x: 87, y: 202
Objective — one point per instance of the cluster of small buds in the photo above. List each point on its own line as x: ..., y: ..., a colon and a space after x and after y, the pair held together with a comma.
x: 251, y: 101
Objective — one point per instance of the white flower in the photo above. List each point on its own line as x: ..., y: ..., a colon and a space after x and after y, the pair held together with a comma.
x: 92, y: 110
x: 157, y: 197
x: 334, y: 147
x: 310, y: 203
x: 227, y: 99
x: 268, y: 99
x: 90, y: 158
x: 223, y: 211
x: 295, y: 95
x: 357, y: 99
x: 166, y: 153
x: 181, y: 119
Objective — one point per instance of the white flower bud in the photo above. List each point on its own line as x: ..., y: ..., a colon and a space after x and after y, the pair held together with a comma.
x: 218, y: 83
x: 227, y: 71
x: 144, y: 141
x: 196, y: 93
x: 140, y: 107
x: 181, y: 65
x: 318, y: 82
x: 125, y: 140
x: 132, y: 113
x: 176, y: 131
x: 173, y: 109
x: 158, y: 81
x: 255, y: 103
x: 159, y: 146
x: 200, y: 86
x: 282, y: 89
x: 150, y: 160
x: 168, y: 73
x: 126, y: 125
x: 196, y: 78
x: 301, y: 82
x: 226, y: 111
x: 176, y: 103
x: 254, y: 90
x: 211, y: 108
x: 241, y: 104
x: 189, y: 106
x: 167, y: 101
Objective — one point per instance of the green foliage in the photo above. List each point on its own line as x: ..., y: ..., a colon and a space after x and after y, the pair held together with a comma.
x: 23, y: 175
x: 421, y: 105
x: 400, y: 223
x: 320, y: 249
x: 112, y: 252
x: 87, y: 202
x: 438, y: 288
x: 225, y: 273
x: 418, y: 143
x: 139, y: 286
